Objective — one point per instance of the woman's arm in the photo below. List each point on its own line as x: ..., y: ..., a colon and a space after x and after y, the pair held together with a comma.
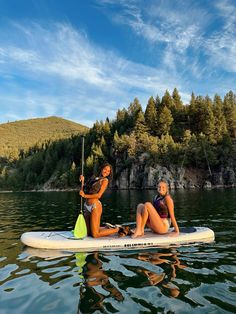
x: 98, y: 195
x: 170, y: 205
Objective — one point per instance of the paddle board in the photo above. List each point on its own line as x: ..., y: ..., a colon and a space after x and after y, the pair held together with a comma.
x: 60, y: 240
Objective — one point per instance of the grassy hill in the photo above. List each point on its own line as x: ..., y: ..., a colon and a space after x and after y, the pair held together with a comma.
x: 24, y: 134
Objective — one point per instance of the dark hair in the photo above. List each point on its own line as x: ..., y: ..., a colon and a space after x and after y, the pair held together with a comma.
x: 106, y: 164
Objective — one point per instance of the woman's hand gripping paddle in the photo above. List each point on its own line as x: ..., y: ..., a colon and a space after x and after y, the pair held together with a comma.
x: 80, y: 230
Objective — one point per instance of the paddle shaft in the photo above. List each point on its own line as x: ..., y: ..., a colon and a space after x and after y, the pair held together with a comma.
x: 82, y: 172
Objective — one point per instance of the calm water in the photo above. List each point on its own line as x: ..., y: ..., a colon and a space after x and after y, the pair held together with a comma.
x: 190, y: 279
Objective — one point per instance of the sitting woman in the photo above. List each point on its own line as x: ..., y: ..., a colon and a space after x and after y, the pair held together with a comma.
x: 92, y: 192
x: 157, y: 215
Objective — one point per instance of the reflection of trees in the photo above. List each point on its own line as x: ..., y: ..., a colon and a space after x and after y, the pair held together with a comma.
x: 91, y: 297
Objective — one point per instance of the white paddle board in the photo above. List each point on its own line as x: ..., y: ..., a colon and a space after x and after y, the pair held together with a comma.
x: 60, y: 240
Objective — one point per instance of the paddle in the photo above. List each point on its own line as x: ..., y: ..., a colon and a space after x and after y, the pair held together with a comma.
x: 80, y: 230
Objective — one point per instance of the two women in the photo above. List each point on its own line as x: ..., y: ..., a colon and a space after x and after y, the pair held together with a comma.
x: 157, y: 215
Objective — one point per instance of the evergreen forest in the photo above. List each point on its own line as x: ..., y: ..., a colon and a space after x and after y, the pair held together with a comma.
x: 200, y: 135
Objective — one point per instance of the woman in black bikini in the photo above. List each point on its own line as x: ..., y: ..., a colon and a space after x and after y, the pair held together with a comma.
x: 157, y: 215
x: 93, y: 191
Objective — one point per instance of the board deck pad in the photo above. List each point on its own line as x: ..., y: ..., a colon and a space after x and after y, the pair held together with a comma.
x: 66, y: 240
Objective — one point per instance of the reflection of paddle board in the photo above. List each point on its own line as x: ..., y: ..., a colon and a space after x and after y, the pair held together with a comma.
x: 45, y: 253
x: 64, y: 240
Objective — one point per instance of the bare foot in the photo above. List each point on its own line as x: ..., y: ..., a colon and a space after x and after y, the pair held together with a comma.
x: 137, y: 233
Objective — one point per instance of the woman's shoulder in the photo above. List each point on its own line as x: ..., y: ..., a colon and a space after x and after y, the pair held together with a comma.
x: 104, y: 179
x: 168, y: 197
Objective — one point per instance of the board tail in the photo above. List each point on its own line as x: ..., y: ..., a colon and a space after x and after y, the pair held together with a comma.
x: 80, y: 230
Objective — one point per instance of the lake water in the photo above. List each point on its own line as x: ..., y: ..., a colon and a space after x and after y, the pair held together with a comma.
x: 189, y: 279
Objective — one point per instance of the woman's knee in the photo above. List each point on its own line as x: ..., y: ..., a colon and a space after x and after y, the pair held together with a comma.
x: 148, y: 205
x: 140, y: 207
x: 95, y: 234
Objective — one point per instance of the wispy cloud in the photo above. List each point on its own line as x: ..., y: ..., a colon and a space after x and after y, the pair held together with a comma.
x: 55, y: 69
x: 182, y: 30
x: 221, y: 45
x: 158, y: 22
x: 62, y: 64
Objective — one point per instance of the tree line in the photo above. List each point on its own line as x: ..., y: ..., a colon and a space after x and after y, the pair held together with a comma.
x: 200, y: 134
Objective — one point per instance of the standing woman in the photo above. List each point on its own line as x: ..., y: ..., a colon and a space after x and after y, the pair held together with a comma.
x: 93, y: 191
x: 157, y: 215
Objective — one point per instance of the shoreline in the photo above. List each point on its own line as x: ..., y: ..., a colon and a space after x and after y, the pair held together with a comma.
x: 119, y: 189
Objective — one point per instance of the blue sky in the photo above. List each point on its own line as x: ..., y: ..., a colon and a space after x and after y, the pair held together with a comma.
x: 83, y: 60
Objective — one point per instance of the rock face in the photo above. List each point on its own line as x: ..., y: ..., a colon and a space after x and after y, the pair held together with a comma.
x: 140, y: 175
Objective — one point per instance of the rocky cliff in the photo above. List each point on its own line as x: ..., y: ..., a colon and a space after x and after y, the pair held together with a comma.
x: 141, y: 175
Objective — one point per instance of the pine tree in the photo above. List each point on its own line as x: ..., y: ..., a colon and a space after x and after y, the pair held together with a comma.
x: 121, y: 122
x: 97, y: 151
x: 196, y: 115
x: 140, y: 125
x: 229, y: 106
x: 134, y: 108
x: 165, y: 121
x: 220, y: 122
x: 178, y: 104
x: 89, y: 163
x: 158, y: 102
x: 208, y: 120
x: 151, y: 116
x: 193, y: 99
x: 167, y: 101
x: 179, y: 115
x: 133, y: 111
x: 106, y: 128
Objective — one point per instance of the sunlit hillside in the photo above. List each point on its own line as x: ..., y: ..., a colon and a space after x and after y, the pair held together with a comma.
x: 15, y: 136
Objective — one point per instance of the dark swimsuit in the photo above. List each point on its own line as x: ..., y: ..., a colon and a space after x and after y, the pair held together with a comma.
x: 92, y: 186
x: 162, y: 210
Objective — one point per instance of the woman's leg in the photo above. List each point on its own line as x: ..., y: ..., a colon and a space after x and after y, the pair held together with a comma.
x: 95, y: 218
x: 87, y: 215
x: 141, y: 219
x: 155, y: 221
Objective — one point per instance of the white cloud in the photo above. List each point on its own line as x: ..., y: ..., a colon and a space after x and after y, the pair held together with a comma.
x: 194, y: 42
x: 55, y: 69
x: 221, y: 45
x: 71, y: 70
x: 161, y: 21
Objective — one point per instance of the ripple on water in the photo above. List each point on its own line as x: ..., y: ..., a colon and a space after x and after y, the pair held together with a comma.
x: 189, y: 279
x: 213, y: 298
x: 227, y: 269
x: 6, y: 271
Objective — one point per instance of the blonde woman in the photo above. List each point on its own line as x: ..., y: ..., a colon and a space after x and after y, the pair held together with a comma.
x: 158, y: 215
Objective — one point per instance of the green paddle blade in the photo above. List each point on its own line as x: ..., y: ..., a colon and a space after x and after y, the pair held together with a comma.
x: 80, y: 259
x: 80, y: 230
x: 80, y: 262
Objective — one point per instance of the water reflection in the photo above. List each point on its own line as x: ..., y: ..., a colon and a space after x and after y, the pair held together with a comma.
x: 190, y: 279
x: 97, y: 290
x: 100, y: 285
x: 108, y: 282
x: 96, y: 277
x: 170, y: 264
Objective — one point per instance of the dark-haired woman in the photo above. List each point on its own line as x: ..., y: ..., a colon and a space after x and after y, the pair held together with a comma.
x: 93, y: 191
